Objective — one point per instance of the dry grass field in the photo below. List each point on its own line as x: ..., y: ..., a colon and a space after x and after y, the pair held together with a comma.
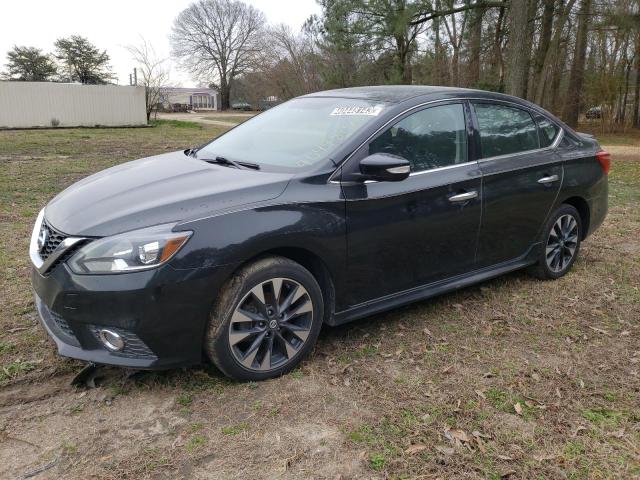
x: 515, y: 378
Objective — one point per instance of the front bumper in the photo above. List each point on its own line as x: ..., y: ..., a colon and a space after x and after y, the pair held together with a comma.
x: 161, y: 314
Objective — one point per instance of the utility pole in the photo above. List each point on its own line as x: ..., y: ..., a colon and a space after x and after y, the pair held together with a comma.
x: 135, y: 76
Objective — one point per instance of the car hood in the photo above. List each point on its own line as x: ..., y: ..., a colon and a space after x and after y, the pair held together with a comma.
x: 161, y: 189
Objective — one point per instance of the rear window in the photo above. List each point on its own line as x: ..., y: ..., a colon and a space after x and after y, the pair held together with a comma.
x: 547, y: 130
x: 505, y: 130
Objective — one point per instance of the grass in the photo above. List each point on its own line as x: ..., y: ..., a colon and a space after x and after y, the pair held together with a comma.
x: 371, y: 392
x: 229, y: 118
x: 175, y: 124
x: 235, y: 429
x: 15, y: 369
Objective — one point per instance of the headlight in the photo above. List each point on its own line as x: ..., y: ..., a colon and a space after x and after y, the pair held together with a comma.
x: 128, y: 252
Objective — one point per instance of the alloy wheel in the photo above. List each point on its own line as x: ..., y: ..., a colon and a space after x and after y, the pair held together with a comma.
x: 562, y: 243
x: 270, y: 324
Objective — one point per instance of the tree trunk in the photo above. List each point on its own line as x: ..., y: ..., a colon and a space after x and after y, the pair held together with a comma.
x: 403, y: 65
x: 497, y: 62
x: 475, y: 40
x: 531, y: 23
x: 636, y: 105
x: 625, y: 97
x: 517, y: 51
x: 550, y: 58
x: 576, y: 77
x: 455, y: 66
x: 545, y: 38
x: 437, y: 77
x: 225, y: 91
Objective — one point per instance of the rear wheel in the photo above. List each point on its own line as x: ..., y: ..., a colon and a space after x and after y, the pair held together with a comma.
x: 560, y: 244
x: 266, y: 320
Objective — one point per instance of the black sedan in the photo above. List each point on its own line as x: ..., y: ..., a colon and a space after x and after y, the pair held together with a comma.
x: 328, y: 208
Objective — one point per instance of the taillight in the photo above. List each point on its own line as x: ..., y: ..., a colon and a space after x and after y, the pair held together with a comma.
x: 605, y: 160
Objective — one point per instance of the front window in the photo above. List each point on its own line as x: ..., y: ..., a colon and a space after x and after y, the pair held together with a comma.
x: 295, y: 135
x: 431, y: 138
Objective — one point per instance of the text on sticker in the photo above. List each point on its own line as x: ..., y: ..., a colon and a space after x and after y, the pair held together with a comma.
x: 372, y: 111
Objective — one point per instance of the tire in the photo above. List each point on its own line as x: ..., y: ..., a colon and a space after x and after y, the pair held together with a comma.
x: 565, y: 223
x: 250, y: 338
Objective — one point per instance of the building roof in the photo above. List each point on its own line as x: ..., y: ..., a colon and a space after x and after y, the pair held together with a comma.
x: 210, y: 91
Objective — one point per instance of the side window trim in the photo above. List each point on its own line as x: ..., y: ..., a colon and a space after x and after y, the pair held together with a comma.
x: 553, y: 146
x: 342, y: 166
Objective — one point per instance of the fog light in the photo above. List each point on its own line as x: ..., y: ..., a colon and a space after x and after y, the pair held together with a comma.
x: 111, y: 340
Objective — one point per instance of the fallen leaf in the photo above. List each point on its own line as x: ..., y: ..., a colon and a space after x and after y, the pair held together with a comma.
x: 478, y: 434
x: 518, y: 408
x: 445, y: 450
x: 180, y: 440
x: 599, y: 330
x: 543, y: 458
x: 535, y: 377
x: 457, y: 436
x: 504, y: 457
x: 418, y: 447
x: 481, y: 394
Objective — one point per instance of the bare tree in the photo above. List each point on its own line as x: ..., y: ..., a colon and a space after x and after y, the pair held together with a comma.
x: 153, y: 72
x: 292, y: 64
x: 218, y: 40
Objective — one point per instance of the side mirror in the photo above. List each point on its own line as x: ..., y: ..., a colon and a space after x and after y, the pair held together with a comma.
x: 383, y: 167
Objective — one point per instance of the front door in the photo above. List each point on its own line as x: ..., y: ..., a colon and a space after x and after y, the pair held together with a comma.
x: 521, y: 180
x: 401, y: 235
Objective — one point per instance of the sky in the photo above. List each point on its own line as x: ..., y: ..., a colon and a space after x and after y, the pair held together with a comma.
x: 113, y: 24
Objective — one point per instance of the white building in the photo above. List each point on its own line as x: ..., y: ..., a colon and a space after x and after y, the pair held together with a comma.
x: 174, y: 98
x: 50, y: 104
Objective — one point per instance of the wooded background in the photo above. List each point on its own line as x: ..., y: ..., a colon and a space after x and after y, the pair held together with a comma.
x: 565, y: 55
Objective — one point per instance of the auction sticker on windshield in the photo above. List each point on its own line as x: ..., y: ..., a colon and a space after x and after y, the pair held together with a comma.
x: 370, y: 111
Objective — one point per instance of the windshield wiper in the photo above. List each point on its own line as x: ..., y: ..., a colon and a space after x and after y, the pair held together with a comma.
x: 233, y: 163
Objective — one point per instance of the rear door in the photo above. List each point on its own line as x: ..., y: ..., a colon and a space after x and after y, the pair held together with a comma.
x: 401, y: 235
x: 521, y: 174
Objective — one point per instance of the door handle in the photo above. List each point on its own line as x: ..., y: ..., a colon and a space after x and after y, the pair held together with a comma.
x: 464, y: 197
x: 549, y: 179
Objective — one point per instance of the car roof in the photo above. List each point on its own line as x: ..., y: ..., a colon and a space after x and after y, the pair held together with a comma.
x: 401, y: 93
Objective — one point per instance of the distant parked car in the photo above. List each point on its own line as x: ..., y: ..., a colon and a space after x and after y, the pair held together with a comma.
x: 241, y: 106
x: 325, y: 209
x: 594, y: 113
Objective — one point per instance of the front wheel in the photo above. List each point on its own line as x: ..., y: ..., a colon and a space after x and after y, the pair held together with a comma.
x: 265, y: 321
x: 560, y: 244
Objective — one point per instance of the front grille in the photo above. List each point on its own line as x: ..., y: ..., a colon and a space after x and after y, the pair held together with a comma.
x: 133, y: 346
x: 53, y: 239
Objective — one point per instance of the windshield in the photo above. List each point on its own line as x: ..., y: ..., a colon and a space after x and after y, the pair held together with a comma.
x: 296, y: 134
